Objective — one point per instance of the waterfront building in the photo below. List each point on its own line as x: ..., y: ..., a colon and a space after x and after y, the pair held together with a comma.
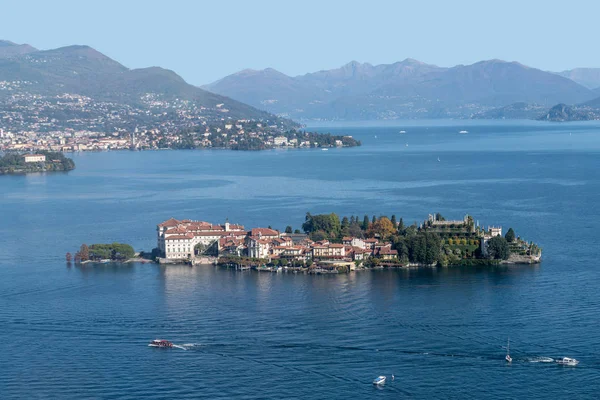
x: 280, y: 141
x: 32, y: 158
x: 184, y: 239
x: 177, y: 239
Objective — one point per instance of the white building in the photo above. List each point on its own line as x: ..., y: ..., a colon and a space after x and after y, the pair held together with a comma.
x: 280, y: 141
x: 177, y: 239
x: 30, y: 158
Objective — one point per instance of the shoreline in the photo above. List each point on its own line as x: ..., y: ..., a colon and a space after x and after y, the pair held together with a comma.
x: 318, y: 270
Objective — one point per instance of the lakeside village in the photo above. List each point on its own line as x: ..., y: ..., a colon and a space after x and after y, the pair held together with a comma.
x: 227, y: 134
x: 331, y: 245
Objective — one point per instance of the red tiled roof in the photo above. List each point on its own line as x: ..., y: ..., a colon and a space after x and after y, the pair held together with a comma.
x: 179, y: 229
x: 170, y: 222
x: 188, y: 236
x: 210, y: 233
x: 388, y: 251
x: 264, y: 232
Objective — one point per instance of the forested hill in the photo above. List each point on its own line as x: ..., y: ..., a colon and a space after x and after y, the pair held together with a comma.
x: 53, y: 87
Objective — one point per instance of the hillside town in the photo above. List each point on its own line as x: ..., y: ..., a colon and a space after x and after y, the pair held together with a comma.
x: 191, y: 241
x: 235, y: 135
x: 72, y: 122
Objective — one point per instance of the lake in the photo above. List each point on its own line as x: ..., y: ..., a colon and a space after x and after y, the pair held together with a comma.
x: 77, y: 332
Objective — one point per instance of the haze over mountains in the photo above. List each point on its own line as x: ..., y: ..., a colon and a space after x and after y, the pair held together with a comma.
x: 355, y: 91
x: 588, y: 77
x: 406, y: 89
x: 29, y: 75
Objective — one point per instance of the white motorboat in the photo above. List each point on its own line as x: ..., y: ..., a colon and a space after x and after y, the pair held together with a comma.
x: 402, y: 132
x: 463, y: 132
x: 567, y: 361
x: 325, y: 149
x: 380, y: 380
x: 165, y: 344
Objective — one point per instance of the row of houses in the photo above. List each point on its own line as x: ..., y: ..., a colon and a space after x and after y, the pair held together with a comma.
x: 184, y: 239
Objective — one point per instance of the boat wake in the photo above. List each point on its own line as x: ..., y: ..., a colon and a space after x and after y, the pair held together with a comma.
x: 179, y: 347
x: 191, y: 345
x: 540, y: 360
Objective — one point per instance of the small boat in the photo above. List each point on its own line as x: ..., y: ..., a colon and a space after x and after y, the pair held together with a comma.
x: 508, y: 358
x: 324, y: 149
x: 463, y: 132
x: 567, y: 361
x: 402, y: 132
x: 380, y: 380
x: 160, y: 343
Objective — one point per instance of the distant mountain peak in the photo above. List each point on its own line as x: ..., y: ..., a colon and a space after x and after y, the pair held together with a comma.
x: 11, y: 49
x: 412, y: 61
x: 250, y: 72
x: 7, y: 43
x: 78, y: 49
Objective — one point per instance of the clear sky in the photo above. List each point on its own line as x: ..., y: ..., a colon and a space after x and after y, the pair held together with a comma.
x: 206, y: 40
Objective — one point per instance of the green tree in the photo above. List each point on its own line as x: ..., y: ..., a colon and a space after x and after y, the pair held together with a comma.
x: 355, y: 230
x: 365, y: 224
x: 328, y: 223
x: 345, y: 222
x: 401, y: 226
x: 318, y: 236
x: 424, y: 247
x: 394, y: 221
x: 374, y: 219
x: 345, y: 227
x: 498, y: 248
x: 297, y: 231
x: 510, y: 235
x: 288, y: 229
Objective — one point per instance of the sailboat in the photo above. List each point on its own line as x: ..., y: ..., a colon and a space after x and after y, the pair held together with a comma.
x: 508, y: 358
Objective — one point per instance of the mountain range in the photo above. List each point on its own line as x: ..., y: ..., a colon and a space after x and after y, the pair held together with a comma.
x: 407, y: 89
x: 84, y: 71
x: 355, y: 91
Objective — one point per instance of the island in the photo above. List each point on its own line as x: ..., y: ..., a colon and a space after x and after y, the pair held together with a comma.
x: 113, y: 252
x: 43, y: 161
x: 330, y: 244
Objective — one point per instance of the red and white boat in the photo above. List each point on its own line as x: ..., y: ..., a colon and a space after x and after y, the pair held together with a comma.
x: 160, y: 343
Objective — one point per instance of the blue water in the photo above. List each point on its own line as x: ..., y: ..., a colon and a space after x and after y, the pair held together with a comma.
x: 81, y: 332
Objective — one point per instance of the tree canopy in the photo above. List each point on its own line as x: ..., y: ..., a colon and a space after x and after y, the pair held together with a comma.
x: 382, y: 228
x: 328, y: 223
x: 498, y: 248
x: 510, y: 235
